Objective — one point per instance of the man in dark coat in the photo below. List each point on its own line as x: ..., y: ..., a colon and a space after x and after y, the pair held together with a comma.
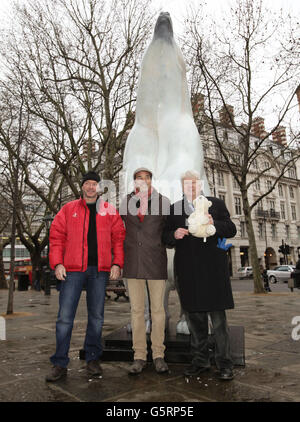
x: 202, y: 273
x: 144, y: 213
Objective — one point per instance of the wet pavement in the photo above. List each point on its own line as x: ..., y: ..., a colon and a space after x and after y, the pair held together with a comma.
x: 271, y: 374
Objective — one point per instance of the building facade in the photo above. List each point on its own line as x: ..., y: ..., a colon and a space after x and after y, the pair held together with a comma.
x: 276, y: 218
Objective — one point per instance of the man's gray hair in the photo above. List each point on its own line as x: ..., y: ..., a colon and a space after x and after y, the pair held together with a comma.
x: 190, y: 174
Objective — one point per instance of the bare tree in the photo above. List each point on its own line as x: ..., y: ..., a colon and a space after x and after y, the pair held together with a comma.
x: 22, y: 170
x: 253, y: 65
x: 77, y: 62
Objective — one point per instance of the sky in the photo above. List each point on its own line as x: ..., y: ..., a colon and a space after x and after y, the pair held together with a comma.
x: 177, y: 9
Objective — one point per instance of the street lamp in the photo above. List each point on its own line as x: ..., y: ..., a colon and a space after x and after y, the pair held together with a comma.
x: 212, y: 166
x: 47, y: 221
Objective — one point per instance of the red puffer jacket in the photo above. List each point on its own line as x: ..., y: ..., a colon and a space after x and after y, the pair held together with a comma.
x: 68, y: 237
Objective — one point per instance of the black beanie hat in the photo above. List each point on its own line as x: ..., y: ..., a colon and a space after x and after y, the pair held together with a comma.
x: 91, y: 175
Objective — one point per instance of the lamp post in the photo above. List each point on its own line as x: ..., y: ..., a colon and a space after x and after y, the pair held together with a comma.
x: 212, y: 166
x: 266, y: 239
x: 47, y: 221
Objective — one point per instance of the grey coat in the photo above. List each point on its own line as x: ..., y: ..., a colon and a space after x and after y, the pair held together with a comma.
x: 145, y: 254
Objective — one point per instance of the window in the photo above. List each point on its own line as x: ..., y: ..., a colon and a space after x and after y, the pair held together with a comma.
x: 282, y: 210
x: 266, y: 164
x: 19, y: 253
x: 235, y: 183
x: 272, y: 205
x: 257, y: 184
x: 260, y: 205
x: 268, y: 184
x: 218, y: 154
x: 280, y: 190
x: 220, y: 179
x: 236, y: 159
x: 22, y: 253
x: 292, y: 173
x: 291, y: 189
x: 298, y: 233
x: 6, y: 253
x: 274, y: 232
x: 238, y: 206
x: 287, y: 232
x: 294, y: 214
x: 261, y: 231
x: 222, y: 196
x: 243, y: 229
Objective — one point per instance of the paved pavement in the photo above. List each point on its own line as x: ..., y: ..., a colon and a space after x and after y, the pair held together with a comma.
x: 271, y: 374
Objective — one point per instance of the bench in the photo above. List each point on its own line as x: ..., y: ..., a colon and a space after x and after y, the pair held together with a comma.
x: 117, y: 287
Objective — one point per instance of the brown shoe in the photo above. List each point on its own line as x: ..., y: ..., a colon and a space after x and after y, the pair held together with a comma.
x: 94, y: 369
x: 137, y: 367
x: 160, y: 366
x: 56, y: 374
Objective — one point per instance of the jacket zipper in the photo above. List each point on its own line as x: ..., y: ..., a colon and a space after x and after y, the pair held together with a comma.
x: 83, y: 238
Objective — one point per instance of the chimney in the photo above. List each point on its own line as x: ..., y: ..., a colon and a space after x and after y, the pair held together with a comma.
x: 85, y: 149
x: 279, y: 135
x: 197, y: 104
x: 258, y: 127
x: 298, y: 95
x: 225, y: 113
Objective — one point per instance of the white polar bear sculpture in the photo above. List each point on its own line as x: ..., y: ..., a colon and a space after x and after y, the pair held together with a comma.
x: 198, y: 221
x: 164, y: 137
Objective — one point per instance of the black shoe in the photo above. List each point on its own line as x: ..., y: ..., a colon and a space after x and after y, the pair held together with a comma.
x: 94, y: 369
x: 160, y: 366
x: 57, y: 373
x: 193, y: 370
x: 226, y: 374
x: 137, y: 367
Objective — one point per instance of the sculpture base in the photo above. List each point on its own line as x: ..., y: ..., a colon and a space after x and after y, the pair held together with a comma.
x: 118, y: 346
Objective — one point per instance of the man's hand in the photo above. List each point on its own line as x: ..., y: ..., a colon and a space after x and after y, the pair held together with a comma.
x: 60, y: 272
x: 115, y: 272
x: 180, y: 233
x: 210, y: 219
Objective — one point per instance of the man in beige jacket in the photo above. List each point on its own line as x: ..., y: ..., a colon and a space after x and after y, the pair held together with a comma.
x: 144, y: 213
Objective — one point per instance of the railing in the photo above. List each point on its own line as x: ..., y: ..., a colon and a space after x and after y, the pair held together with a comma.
x: 268, y: 214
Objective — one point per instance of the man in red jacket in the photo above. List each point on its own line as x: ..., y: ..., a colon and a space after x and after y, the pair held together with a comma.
x: 82, y: 236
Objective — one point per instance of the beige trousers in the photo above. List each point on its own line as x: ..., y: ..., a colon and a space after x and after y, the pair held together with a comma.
x: 136, y: 290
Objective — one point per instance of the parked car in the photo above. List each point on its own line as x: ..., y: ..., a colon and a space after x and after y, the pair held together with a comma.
x: 245, y: 272
x: 280, y: 273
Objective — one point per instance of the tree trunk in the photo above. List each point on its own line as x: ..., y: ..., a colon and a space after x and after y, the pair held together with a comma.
x: 3, y: 282
x: 10, y: 303
x: 36, y: 265
x: 258, y: 285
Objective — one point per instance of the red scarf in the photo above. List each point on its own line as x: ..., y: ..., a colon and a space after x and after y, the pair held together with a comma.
x: 143, y: 198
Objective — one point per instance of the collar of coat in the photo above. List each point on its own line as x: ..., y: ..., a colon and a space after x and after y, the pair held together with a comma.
x: 153, y: 194
x: 102, y: 207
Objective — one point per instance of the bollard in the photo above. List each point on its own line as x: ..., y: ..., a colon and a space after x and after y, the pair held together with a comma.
x: 2, y: 328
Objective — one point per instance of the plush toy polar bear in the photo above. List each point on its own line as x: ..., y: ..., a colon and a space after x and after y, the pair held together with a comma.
x: 198, y: 224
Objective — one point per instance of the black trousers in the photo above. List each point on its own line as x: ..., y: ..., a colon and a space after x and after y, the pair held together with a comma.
x: 198, y: 326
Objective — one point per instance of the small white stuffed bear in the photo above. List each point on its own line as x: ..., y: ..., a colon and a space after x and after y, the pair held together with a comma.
x: 198, y: 221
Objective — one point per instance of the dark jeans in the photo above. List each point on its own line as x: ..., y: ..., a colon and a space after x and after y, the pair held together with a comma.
x: 70, y: 292
x: 198, y: 326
